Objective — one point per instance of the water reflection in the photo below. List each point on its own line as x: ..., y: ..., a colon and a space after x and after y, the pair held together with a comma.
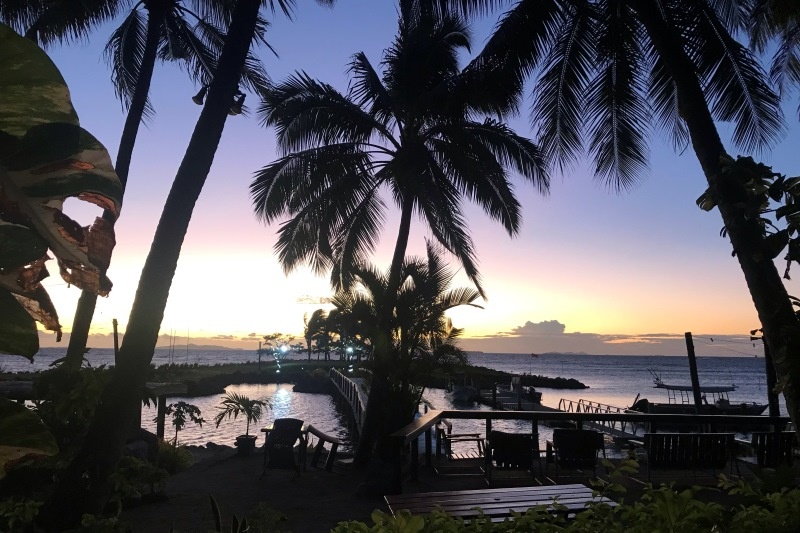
x: 317, y: 409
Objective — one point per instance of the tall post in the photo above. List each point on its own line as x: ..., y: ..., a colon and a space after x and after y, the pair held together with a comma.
x: 698, y: 402
x: 116, y: 338
x: 772, y: 396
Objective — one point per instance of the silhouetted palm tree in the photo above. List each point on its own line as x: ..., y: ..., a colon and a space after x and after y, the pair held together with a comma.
x: 411, y: 131
x: 153, y: 30
x: 86, y: 483
x: 422, y: 336
x: 315, y: 326
x: 607, y: 70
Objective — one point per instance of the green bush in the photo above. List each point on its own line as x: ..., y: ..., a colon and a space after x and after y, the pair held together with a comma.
x: 173, y: 459
x: 737, y: 507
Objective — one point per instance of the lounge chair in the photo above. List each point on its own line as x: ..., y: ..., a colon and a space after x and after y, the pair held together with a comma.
x: 575, y: 450
x: 280, y: 442
x: 465, y: 462
x: 774, y: 449
x: 509, y: 452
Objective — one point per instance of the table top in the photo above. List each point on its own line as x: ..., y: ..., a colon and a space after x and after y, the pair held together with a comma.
x: 496, y: 502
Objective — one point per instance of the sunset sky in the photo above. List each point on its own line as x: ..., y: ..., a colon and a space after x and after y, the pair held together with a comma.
x: 591, y: 270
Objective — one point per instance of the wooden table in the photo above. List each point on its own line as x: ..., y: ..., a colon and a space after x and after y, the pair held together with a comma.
x: 495, y: 503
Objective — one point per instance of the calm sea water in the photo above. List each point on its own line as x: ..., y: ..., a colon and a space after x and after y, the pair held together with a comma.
x: 614, y: 380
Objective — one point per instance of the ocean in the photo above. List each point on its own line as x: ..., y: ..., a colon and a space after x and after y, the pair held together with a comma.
x: 613, y: 380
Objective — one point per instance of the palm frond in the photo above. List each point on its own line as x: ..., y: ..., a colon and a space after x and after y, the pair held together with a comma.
x: 124, y: 53
x: 49, y: 22
x: 617, y: 115
x: 517, y: 45
x: 479, y: 176
x: 558, y: 96
x: 663, y: 95
x: 307, y: 113
x: 735, y: 83
x: 367, y: 89
x: 785, y: 65
x: 440, y: 206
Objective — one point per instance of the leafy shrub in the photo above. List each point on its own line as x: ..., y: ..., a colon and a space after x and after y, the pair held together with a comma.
x: 17, y: 514
x: 135, y: 480
x: 319, y: 373
x: 173, y: 459
x: 67, y: 399
x: 659, y: 510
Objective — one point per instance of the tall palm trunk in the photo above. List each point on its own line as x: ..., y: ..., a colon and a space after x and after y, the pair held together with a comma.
x: 87, y: 302
x: 86, y: 485
x: 778, y: 320
x: 375, y: 424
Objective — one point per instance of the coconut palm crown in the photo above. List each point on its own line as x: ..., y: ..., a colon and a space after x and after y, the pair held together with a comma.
x: 412, y: 130
x: 602, y: 84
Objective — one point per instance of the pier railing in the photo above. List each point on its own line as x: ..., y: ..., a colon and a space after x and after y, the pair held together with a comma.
x: 352, y: 393
x: 615, y: 428
x: 407, y: 438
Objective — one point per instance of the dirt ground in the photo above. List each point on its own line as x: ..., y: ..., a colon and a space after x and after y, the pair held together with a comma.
x: 314, y: 501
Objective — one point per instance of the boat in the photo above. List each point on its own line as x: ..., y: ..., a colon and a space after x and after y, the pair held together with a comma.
x: 462, y: 394
x: 680, y: 400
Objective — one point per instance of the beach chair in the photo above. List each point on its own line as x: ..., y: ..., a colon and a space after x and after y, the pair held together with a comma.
x: 467, y: 461
x: 511, y: 453
x: 574, y: 450
x: 280, y: 442
x: 773, y: 449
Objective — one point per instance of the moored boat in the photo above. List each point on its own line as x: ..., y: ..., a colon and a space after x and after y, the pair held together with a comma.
x: 680, y: 400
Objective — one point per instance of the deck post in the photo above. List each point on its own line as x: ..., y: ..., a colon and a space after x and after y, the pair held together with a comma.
x: 698, y: 402
x: 428, y: 448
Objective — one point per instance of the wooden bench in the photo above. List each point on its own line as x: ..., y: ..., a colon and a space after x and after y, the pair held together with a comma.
x: 497, y: 504
x: 688, y: 451
x: 323, y: 438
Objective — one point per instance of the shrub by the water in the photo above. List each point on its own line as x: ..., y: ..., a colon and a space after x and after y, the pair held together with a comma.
x: 173, y: 459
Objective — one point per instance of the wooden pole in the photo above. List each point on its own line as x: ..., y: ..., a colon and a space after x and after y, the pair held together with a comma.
x: 116, y: 338
x: 698, y: 402
x: 772, y: 380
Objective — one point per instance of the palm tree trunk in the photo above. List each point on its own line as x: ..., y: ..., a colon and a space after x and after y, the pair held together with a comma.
x: 85, y: 486
x: 778, y: 320
x: 87, y: 302
x: 375, y: 427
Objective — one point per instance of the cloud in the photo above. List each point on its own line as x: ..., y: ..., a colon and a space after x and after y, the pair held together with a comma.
x: 551, y: 336
x: 223, y: 337
x: 547, y: 327
x: 251, y: 335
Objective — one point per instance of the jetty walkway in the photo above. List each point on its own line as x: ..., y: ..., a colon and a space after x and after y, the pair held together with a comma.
x: 351, y: 391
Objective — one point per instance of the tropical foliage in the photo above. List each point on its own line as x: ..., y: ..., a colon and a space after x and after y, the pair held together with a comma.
x: 45, y: 158
x: 414, y: 133
x: 164, y: 30
x: 234, y: 404
x: 181, y: 413
x: 117, y: 410
x: 777, y: 21
x: 422, y: 336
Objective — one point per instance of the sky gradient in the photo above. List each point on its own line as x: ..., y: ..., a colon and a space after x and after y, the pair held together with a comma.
x: 591, y: 270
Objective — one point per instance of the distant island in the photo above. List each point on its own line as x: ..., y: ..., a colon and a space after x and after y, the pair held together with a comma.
x: 206, y: 347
